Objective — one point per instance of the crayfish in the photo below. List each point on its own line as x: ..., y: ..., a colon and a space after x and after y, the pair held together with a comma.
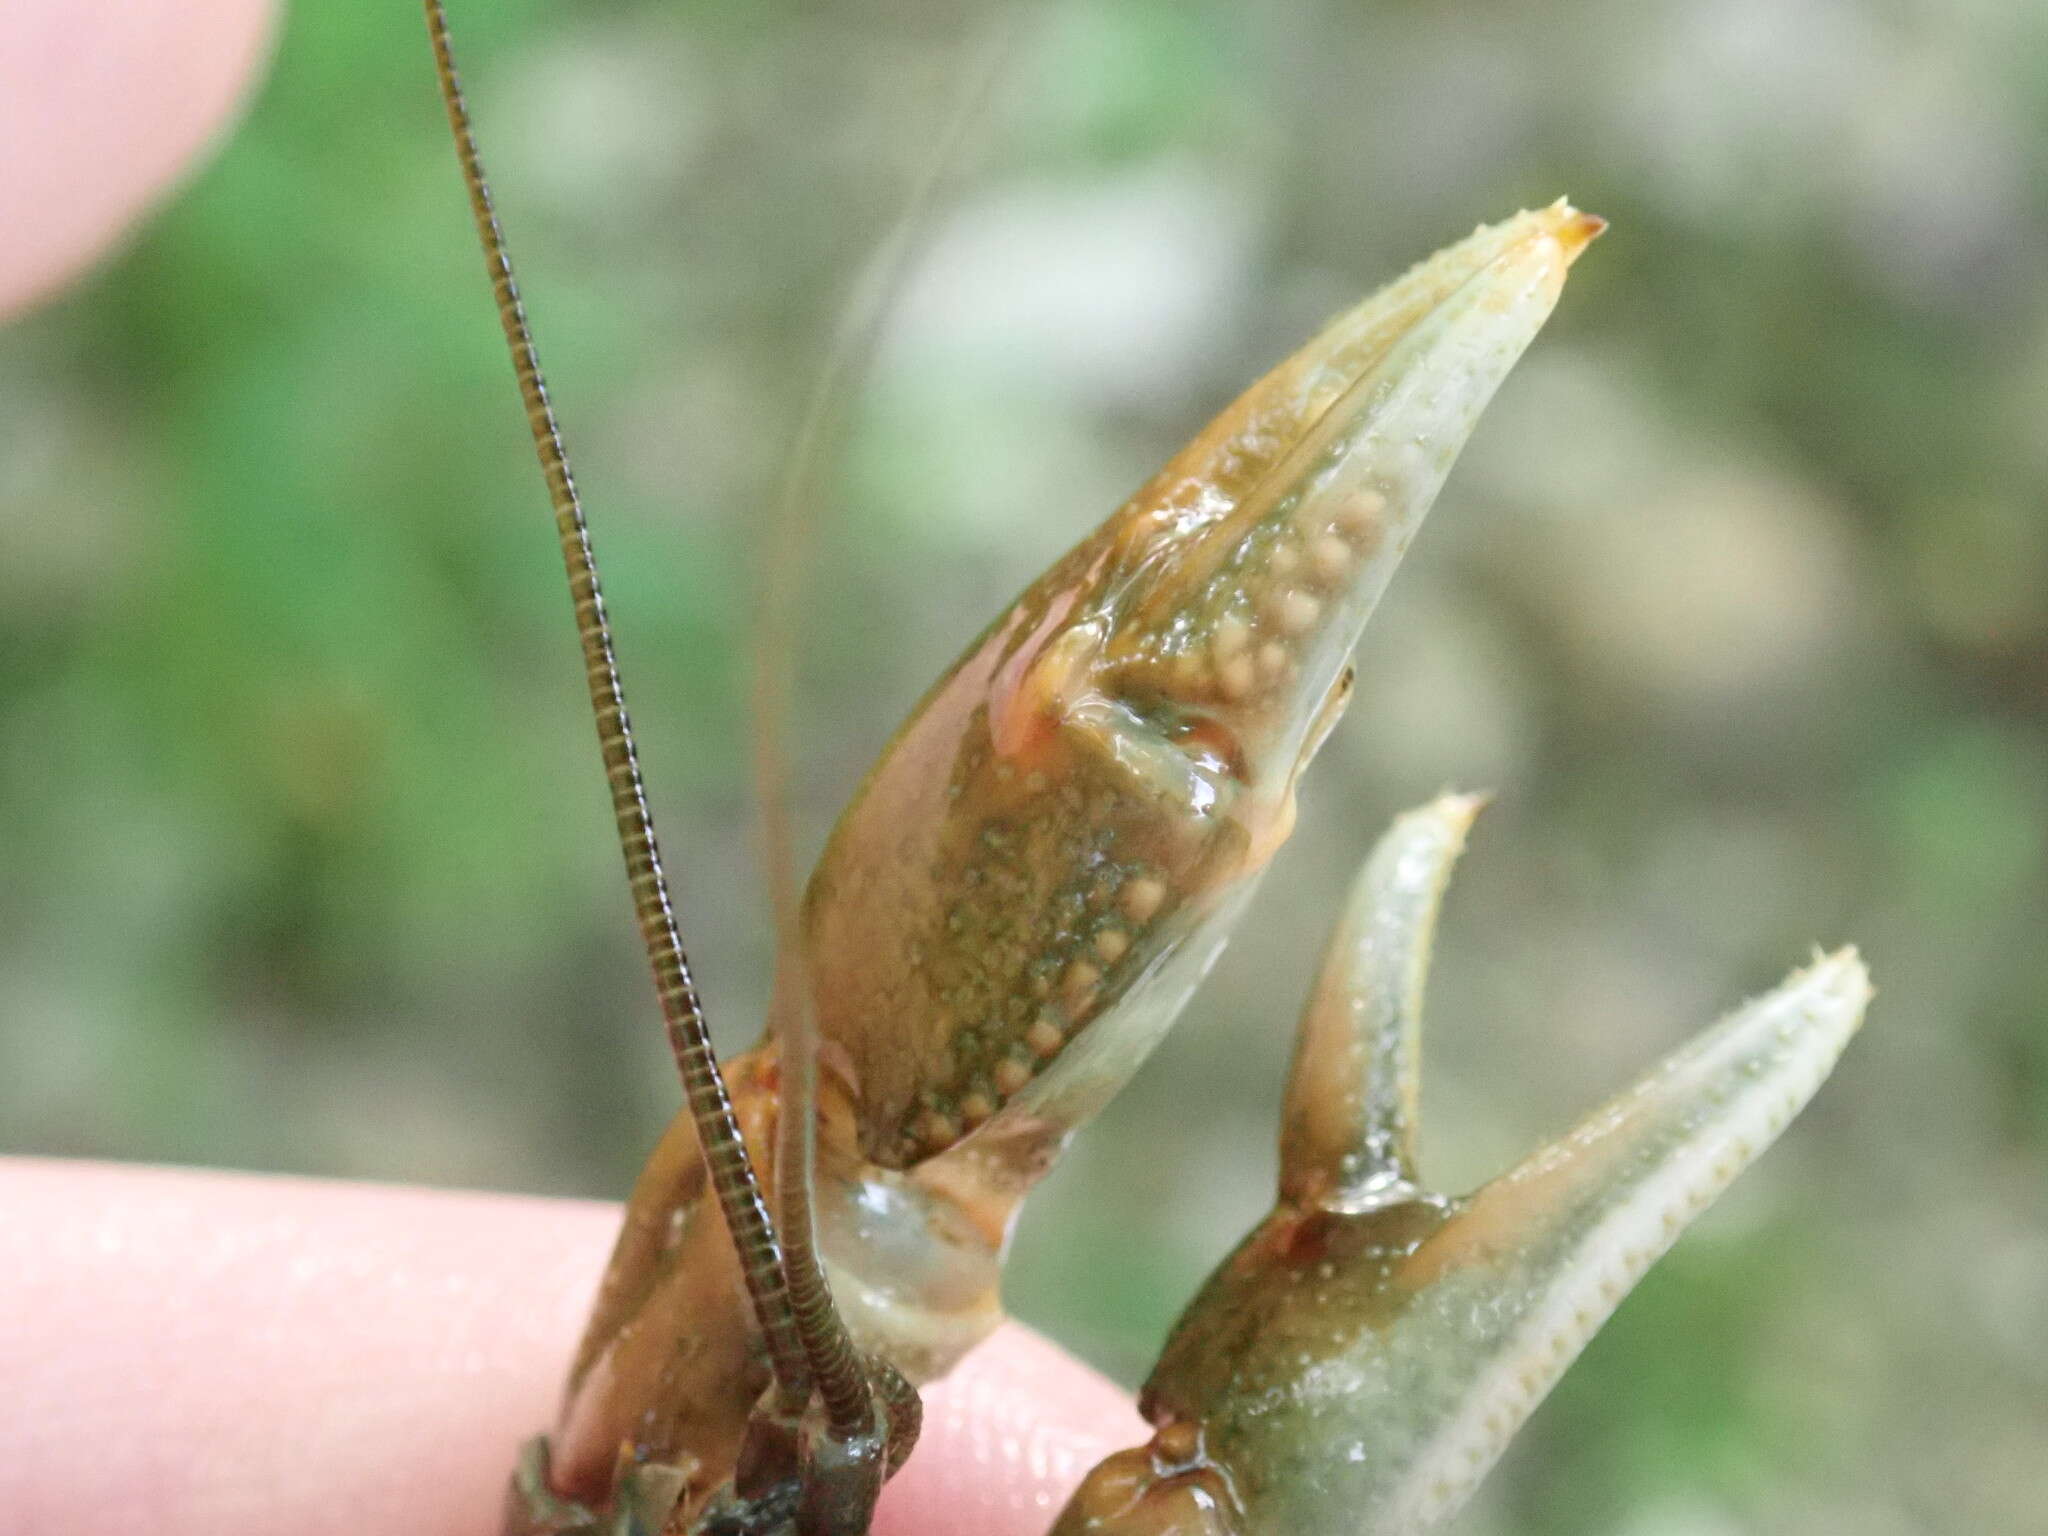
x: 1031, y: 881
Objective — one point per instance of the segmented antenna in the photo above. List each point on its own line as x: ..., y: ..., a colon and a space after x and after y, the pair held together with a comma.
x: 725, y: 1154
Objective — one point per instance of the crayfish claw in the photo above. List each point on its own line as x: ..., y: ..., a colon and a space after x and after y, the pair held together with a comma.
x: 1364, y: 1356
x: 1137, y: 722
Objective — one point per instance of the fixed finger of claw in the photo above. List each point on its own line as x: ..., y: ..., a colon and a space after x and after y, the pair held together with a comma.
x: 1348, y: 1123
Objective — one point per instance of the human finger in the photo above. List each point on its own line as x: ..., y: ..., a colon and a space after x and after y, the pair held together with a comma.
x: 102, y: 107
x: 198, y: 1352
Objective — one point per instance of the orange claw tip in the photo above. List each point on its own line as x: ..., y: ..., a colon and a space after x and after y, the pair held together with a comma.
x: 1572, y: 228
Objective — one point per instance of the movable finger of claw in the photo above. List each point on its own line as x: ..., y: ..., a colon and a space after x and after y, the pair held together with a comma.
x: 1348, y: 1125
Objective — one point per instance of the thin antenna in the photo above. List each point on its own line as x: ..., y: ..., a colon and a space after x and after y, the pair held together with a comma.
x: 843, y: 1386
x: 725, y: 1153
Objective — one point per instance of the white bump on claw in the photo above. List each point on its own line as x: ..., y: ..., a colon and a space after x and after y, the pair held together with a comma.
x: 1294, y: 612
x: 1229, y: 639
x: 1142, y: 897
x: 1235, y: 677
x: 1331, y: 557
x: 1360, y: 513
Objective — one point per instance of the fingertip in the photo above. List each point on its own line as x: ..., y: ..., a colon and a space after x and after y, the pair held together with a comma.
x: 264, y: 1354
x: 103, y: 108
x: 237, y: 1354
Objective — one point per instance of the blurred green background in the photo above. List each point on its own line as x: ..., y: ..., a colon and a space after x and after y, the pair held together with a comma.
x: 1740, y: 599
